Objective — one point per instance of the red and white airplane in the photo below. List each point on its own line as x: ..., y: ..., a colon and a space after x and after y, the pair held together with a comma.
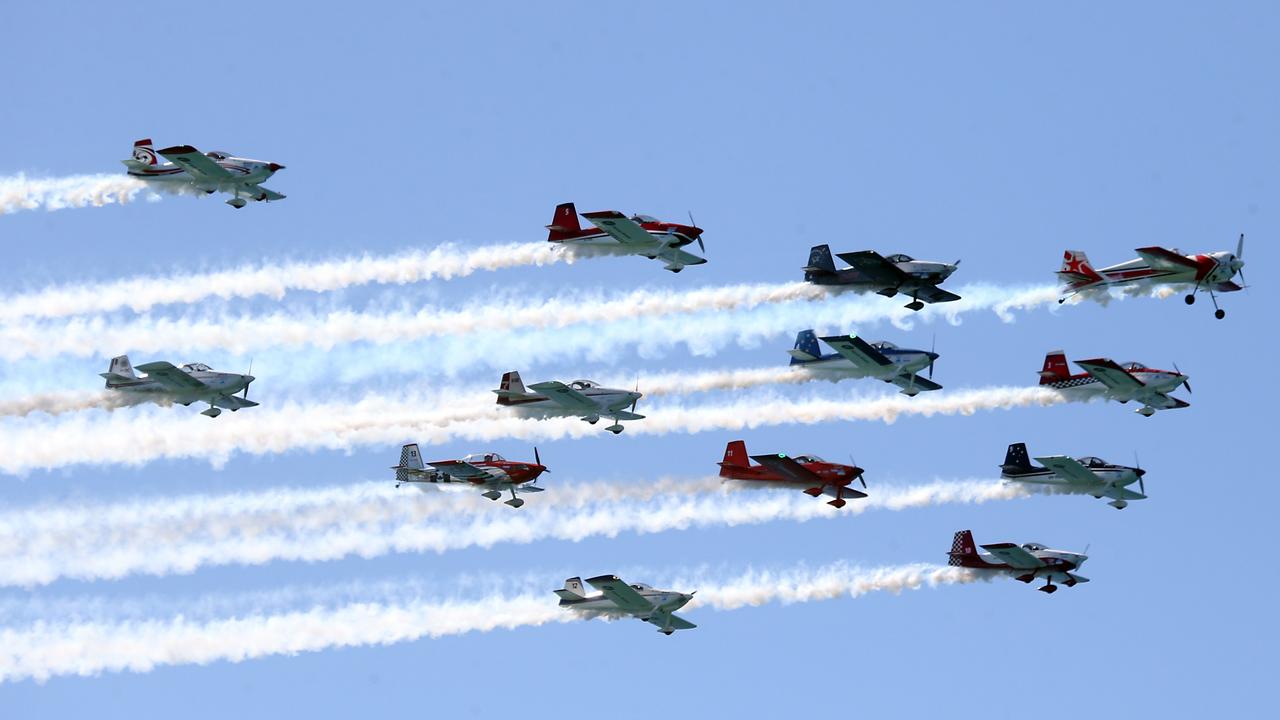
x: 816, y: 475
x: 1103, y: 377
x: 209, y: 172
x: 636, y: 235
x: 488, y: 470
x: 1210, y: 272
x: 1024, y: 562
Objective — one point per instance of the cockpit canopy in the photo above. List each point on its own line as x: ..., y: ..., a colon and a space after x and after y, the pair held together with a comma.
x: 1093, y: 462
x: 583, y: 384
x: 884, y: 345
x: 1032, y: 547
x: 483, y: 457
x: 196, y: 367
x: 645, y: 219
x: 641, y: 587
x: 217, y: 155
x: 899, y: 258
x: 808, y: 459
x: 1133, y: 366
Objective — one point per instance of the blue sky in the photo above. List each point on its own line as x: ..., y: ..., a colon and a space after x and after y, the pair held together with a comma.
x: 998, y: 134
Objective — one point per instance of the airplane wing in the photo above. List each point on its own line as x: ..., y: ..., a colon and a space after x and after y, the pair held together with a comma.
x: 1069, y: 469
x: 620, y: 593
x: 171, y: 377
x: 199, y: 165
x: 875, y: 267
x: 1166, y: 260
x: 1014, y: 556
x: 934, y: 294
x: 789, y: 469
x: 664, y: 619
x: 231, y: 402
x: 676, y: 256
x: 621, y: 228
x: 857, y: 351
x: 460, y: 470
x: 915, y: 382
x: 566, y: 397
x: 1110, y: 374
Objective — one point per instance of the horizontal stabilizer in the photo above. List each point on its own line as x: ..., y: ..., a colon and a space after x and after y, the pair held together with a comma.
x: 801, y: 355
x: 624, y: 415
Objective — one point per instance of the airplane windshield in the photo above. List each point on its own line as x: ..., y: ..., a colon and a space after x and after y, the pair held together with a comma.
x: 884, y: 345
x: 483, y: 457
x: 645, y: 219
x: 582, y: 384
x: 217, y: 155
x: 641, y: 586
x: 196, y: 367
x: 808, y: 459
x: 899, y: 258
x: 1134, y: 366
x: 1032, y: 547
x: 1092, y: 462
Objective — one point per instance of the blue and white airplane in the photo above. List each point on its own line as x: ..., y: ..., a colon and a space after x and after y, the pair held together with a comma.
x: 857, y: 358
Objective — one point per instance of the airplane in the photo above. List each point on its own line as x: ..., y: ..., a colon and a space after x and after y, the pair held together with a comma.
x: 1026, y: 562
x: 857, y: 358
x: 1158, y: 266
x: 617, y: 599
x: 888, y: 276
x: 580, y: 398
x: 488, y: 470
x: 1086, y: 475
x: 193, y: 382
x: 210, y: 172
x: 637, y: 235
x: 1103, y: 377
x: 818, y: 476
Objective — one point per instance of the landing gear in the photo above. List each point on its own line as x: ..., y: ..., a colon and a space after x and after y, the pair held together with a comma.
x: 1119, y: 504
x: 514, y: 502
x: 615, y: 428
x: 837, y: 503
x: 592, y: 420
x: 492, y: 494
x: 667, y: 631
x: 1190, y: 299
x: 813, y: 491
x: 1026, y: 578
x: 1070, y: 582
x: 1049, y: 587
x: 676, y: 269
x: 1147, y: 411
x: 1219, y: 313
x: 212, y: 412
x: 237, y: 202
x: 915, y: 304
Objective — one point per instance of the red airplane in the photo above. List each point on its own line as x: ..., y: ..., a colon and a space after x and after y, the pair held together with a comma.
x: 489, y: 471
x: 818, y: 476
x: 636, y: 235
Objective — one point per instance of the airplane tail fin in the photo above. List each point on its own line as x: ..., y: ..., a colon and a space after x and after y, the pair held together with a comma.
x: 572, y: 591
x: 820, y: 262
x: 964, y: 552
x: 806, y: 349
x: 735, y: 456
x: 119, y: 372
x: 512, y: 386
x: 1016, y: 461
x: 1076, y: 269
x: 1055, y: 368
x: 410, y: 459
x: 144, y: 154
x: 564, y: 224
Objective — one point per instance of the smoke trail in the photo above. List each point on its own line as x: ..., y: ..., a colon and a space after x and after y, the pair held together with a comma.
x: 275, y: 279
x: 58, y: 403
x: 180, y: 535
x: 376, y: 420
x: 48, y: 649
x: 795, y: 309
x: 23, y: 193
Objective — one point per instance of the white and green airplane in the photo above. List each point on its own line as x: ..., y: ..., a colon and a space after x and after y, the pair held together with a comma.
x: 617, y: 599
x: 193, y: 382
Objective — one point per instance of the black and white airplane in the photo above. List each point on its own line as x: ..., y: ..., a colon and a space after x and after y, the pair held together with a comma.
x: 1085, y: 476
x: 1024, y: 562
x: 857, y: 358
x: 888, y: 276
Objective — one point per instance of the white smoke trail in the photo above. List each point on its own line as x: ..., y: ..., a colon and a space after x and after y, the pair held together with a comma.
x: 376, y: 420
x: 180, y: 535
x: 274, y: 280
x: 58, y: 403
x: 22, y: 193
x: 53, y: 648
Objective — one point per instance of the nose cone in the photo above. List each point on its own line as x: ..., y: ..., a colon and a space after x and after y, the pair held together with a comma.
x: 274, y: 167
x: 932, y: 356
x: 635, y: 395
x: 1139, y: 472
x: 248, y: 379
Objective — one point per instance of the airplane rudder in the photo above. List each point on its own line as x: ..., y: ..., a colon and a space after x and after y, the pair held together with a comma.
x: 409, y: 458
x: 820, y: 259
x: 143, y: 152
x: 1016, y: 458
x: 735, y: 455
x: 564, y: 223
x: 1055, y: 367
x: 120, y: 365
x: 962, y: 548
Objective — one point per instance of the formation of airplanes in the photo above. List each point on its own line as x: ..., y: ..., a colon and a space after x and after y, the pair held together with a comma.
x: 911, y: 370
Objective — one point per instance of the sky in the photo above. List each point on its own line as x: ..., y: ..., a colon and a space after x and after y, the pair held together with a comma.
x: 999, y: 134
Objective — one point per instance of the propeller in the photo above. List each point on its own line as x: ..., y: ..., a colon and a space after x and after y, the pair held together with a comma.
x: 1138, y: 463
x: 245, y: 394
x: 933, y: 344
x: 861, y: 479
x: 1185, y: 381
x: 637, y: 399
x: 537, y: 459
x: 702, y: 247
